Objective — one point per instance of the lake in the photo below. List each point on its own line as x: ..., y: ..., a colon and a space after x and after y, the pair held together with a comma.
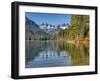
x: 54, y: 53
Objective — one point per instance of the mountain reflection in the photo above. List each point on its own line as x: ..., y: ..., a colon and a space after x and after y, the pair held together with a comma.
x: 52, y: 53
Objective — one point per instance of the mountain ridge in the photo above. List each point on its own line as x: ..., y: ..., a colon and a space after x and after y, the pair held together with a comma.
x: 33, y: 30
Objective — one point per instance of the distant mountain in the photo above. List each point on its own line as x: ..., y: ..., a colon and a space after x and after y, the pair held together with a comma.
x: 50, y: 29
x: 43, y: 31
x: 33, y: 30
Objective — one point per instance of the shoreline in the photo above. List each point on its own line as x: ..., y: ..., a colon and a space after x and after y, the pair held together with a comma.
x: 71, y: 41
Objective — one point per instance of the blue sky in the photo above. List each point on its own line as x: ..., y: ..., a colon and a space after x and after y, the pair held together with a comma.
x: 49, y: 18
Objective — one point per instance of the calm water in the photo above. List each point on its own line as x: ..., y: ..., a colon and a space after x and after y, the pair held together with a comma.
x: 52, y: 53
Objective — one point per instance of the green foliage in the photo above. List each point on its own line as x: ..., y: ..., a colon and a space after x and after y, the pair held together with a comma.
x: 79, y: 28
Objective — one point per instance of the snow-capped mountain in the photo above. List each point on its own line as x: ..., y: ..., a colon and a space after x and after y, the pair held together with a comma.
x: 52, y: 29
x: 48, y: 28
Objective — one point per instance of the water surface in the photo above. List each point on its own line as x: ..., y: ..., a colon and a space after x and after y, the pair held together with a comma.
x: 53, y: 53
